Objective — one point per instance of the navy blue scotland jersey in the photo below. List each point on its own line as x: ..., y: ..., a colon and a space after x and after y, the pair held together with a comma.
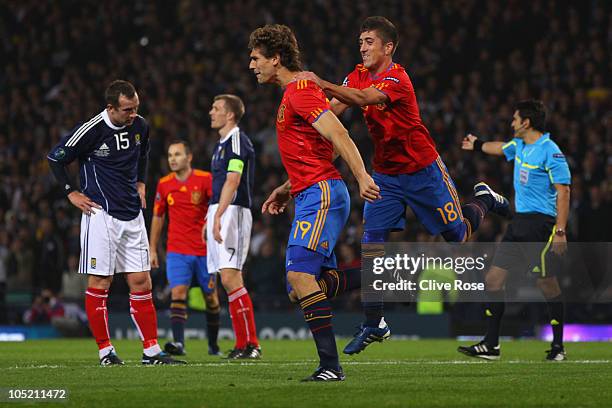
x: 111, y: 161
x: 234, y: 153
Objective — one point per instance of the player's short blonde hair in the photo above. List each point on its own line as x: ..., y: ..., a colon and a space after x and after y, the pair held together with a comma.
x: 233, y: 104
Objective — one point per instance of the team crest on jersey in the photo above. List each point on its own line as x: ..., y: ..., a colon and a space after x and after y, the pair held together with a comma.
x: 93, y: 263
x: 102, y: 151
x: 196, y: 197
x: 59, y: 153
x: 137, y: 139
x: 281, y: 113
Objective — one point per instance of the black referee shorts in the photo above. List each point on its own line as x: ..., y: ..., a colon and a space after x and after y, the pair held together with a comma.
x: 526, y: 244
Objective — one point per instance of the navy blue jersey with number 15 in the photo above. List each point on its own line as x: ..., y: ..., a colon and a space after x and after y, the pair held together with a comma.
x: 108, y: 158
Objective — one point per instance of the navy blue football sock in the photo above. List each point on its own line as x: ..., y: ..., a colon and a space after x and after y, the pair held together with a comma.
x: 178, y: 316
x: 335, y: 282
x: 374, y: 312
x: 212, y: 325
x: 318, y: 315
x: 474, y: 212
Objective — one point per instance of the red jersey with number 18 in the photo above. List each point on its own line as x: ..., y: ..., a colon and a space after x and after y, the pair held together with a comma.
x: 186, y: 203
x: 306, y: 155
x: 402, y: 143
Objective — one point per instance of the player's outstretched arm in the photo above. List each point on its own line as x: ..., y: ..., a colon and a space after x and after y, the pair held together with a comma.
x: 471, y: 142
x: 278, y: 199
x: 348, y: 96
x: 157, y: 224
x: 330, y: 128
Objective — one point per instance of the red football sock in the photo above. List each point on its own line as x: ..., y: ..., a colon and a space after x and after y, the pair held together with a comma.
x: 143, y: 314
x: 95, y: 306
x: 243, y: 319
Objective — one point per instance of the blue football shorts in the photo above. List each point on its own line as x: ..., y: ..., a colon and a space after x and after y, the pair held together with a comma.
x: 321, y: 211
x: 429, y: 192
x: 181, y: 268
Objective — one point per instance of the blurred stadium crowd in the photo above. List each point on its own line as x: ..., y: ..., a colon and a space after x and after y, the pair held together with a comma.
x: 469, y: 60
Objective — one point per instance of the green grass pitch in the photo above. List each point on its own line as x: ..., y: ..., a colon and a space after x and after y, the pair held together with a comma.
x: 397, y: 373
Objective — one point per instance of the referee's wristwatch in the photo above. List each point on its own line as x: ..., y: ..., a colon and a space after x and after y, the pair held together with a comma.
x: 560, y: 232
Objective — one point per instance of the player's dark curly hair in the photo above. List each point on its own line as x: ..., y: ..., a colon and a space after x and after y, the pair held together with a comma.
x: 273, y: 39
x: 535, y: 111
x: 117, y: 88
x: 385, y: 29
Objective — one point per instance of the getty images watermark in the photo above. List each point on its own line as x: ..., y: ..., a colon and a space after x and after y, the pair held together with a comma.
x: 442, y: 272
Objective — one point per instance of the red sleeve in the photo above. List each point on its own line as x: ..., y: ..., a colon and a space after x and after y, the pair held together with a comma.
x: 159, y: 208
x: 308, y: 101
x: 395, y: 85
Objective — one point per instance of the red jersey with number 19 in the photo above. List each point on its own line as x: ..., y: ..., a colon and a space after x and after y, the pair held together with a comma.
x: 402, y: 143
x: 306, y: 155
x: 187, y: 204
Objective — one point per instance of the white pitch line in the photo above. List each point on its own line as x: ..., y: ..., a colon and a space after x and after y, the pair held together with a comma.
x: 344, y: 363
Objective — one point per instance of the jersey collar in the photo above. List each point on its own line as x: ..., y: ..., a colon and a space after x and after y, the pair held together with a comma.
x: 375, y: 77
x: 542, y: 138
x: 108, y: 121
x: 235, y: 129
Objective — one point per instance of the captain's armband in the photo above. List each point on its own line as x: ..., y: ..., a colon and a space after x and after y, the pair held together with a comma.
x: 235, y: 165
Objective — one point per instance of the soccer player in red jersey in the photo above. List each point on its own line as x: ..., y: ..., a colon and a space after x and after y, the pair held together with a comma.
x: 407, y: 166
x: 308, y: 134
x: 184, y: 195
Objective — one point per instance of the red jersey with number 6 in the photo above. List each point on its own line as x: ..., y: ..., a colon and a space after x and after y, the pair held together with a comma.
x: 186, y: 203
x: 306, y: 155
x: 402, y: 143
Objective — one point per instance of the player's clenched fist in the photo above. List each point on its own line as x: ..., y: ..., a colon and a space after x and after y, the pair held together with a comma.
x: 82, y: 202
x: 368, y: 190
x: 468, y: 142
